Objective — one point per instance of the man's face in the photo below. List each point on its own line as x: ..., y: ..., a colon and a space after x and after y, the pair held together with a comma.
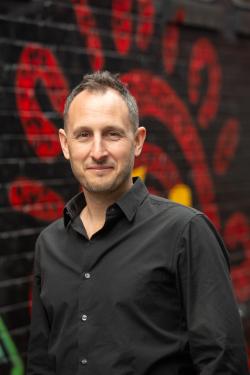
x: 99, y: 141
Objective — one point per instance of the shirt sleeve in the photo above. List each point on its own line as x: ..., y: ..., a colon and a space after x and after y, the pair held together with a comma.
x: 38, y: 361
x: 214, y: 328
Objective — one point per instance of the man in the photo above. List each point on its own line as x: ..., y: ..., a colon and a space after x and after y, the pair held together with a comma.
x: 127, y: 283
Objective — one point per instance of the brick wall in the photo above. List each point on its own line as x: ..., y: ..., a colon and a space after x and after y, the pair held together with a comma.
x: 192, y: 83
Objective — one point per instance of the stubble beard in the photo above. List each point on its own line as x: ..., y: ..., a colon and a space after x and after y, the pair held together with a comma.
x: 108, y: 185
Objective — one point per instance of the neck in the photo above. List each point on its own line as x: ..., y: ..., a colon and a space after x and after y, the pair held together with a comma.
x: 96, y: 205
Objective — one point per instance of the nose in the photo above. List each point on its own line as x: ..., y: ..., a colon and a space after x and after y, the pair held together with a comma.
x: 98, y: 149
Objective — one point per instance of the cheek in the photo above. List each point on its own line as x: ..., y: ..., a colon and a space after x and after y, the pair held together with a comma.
x: 122, y: 150
x: 78, y: 152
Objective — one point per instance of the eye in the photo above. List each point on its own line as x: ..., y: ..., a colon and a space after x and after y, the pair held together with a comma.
x: 114, y: 135
x: 83, y: 134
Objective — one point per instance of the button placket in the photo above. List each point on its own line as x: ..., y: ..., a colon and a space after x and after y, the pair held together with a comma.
x: 84, y: 300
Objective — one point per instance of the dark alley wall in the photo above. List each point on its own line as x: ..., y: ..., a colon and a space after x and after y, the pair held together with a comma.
x: 192, y: 84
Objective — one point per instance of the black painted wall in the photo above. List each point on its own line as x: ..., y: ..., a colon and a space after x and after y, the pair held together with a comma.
x: 189, y: 69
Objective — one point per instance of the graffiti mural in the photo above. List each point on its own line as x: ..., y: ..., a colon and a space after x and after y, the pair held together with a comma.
x: 186, y: 88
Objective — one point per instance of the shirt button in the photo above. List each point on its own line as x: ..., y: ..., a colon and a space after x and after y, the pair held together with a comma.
x: 87, y: 275
x: 84, y: 317
x: 84, y: 361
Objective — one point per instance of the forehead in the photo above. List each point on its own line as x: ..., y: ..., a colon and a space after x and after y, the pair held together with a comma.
x: 98, y: 104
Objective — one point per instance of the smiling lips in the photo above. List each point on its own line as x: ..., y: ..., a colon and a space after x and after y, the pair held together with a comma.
x: 99, y: 167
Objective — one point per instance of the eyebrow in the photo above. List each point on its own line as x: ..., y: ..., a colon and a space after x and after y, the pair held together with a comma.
x: 105, y: 129
x: 114, y: 127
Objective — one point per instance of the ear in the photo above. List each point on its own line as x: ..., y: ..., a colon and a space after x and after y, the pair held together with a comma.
x: 64, y: 143
x: 140, y: 136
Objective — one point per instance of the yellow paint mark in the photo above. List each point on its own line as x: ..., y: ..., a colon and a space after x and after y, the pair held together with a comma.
x: 181, y: 193
x: 140, y: 172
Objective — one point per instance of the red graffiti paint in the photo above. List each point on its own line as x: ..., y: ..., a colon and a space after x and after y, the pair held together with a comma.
x: 204, y: 57
x: 170, y: 48
x: 226, y: 146
x: 159, y: 165
x: 171, y: 42
x: 164, y: 104
x: 145, y: 25
x: 122, y: 25
x: 88, y: 28
x: 35, y: 199
x: 38, y: 65
x: 237, y: 234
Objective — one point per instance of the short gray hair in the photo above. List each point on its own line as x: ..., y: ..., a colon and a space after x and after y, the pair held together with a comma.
x: 100, y: 81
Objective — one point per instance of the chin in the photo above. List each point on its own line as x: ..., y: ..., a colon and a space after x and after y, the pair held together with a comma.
x: 103, y: 186
x: 99, y: 187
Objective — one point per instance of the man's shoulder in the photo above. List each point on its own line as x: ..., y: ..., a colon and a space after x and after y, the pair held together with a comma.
x: 53, y: 230
x: 171, y: 211
x: 167, y: 204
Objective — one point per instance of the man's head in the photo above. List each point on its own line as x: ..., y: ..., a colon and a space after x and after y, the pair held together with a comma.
x: 101, y: 136
x: 101, y: 81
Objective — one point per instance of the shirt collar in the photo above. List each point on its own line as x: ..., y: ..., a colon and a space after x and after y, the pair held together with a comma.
x: 128, y: 203
x: 73, y: 208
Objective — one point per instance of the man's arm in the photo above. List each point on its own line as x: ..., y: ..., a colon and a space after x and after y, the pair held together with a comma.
x: 38, y: 361
x: 212, y: 318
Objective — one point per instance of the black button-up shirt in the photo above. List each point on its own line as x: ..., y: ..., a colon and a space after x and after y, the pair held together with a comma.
x: 149, y: 294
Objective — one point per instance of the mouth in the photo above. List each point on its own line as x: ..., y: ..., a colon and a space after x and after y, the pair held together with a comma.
x: 100, y: 167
